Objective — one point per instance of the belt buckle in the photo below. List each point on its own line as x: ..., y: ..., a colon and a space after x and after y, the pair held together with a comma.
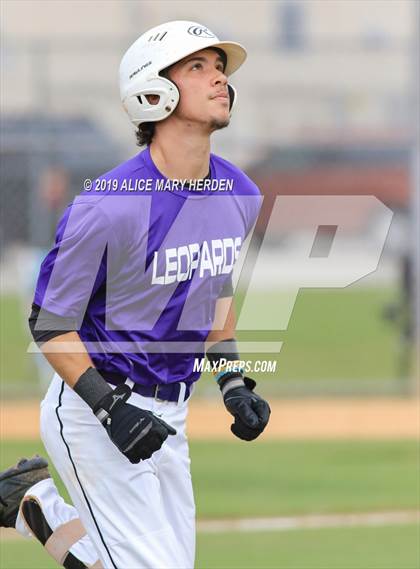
x: 157, y: 393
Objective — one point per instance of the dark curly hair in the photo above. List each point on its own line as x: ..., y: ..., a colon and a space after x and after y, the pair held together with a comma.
x: 145, y: 133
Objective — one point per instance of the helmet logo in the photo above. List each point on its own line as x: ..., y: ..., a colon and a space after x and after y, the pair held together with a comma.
x: 200, y: 32
x: 157, y: 37
x: 139, y: 69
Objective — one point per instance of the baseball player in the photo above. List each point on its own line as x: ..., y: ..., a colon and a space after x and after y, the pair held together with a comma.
x: 135, y: 290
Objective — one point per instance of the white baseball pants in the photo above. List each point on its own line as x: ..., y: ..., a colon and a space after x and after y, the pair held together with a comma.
x: 138, y: 516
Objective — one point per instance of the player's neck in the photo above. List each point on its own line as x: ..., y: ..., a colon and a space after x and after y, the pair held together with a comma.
x: 181, y: 155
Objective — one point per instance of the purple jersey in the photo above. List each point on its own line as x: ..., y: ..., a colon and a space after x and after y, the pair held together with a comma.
x: 139, y: 262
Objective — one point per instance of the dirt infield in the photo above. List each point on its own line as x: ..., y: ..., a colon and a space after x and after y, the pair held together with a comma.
x: 290, y: 419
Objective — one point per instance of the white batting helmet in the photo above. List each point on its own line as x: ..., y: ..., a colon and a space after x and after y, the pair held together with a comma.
x: 156, y: 50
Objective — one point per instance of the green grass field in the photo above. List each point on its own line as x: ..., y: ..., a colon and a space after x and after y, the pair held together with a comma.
x: 15, y: 363
x: 234, y: 479
x: 339, y: 548
x: 392, y: 547
x: 337, y: 341
x: 271, y: 478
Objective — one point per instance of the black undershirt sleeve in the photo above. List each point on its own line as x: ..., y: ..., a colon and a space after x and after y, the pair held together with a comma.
x: 227, y: 289
x: 50, y: 326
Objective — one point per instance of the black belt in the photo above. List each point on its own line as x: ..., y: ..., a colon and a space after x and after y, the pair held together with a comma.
x: 161, y: 392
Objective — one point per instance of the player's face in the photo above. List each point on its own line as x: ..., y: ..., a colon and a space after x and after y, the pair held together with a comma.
x: 202, y: 85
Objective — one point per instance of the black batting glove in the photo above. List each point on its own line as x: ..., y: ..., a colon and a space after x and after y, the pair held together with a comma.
x: 251, y: 412
x: 137, y: 433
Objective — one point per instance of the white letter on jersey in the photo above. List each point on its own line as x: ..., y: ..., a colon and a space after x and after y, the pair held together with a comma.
x: 228, y: 250
x: 155, y: 279
x: 170, y: 266
x: 217, y: 245
x: 183, y: 251
x: 206, y: 264
x: 194, y: 256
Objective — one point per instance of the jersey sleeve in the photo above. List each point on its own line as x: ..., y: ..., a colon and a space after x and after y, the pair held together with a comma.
x: 253, y: 207
x: 75, y: 267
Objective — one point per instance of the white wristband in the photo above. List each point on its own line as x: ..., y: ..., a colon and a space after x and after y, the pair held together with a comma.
x: 232, y: 384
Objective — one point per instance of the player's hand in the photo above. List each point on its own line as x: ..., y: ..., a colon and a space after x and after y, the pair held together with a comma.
x: 251, y: 411
x: 137, y: 433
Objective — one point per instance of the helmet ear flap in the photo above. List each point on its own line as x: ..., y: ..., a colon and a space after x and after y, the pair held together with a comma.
x: 232, y: 97
x: 139, y: 108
